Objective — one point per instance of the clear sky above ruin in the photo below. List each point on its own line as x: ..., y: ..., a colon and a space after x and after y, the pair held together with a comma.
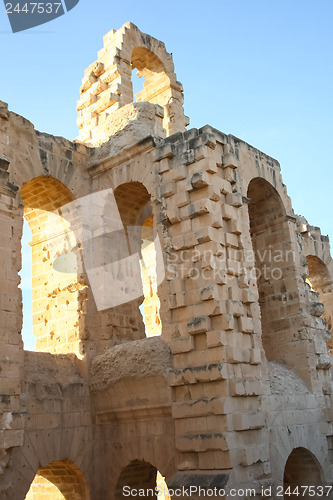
x: 260, y: 70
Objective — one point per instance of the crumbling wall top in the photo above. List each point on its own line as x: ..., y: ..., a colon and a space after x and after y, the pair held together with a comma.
x: 107, y: 85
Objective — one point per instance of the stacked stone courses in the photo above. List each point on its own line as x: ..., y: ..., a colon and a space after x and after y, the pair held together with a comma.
x: 218, y: 372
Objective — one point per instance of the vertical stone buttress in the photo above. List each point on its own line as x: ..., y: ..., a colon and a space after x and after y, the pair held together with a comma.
x: 11, y: 346
x: 211, y: 325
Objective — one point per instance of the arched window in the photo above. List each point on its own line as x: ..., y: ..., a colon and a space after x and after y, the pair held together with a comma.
x: 140, y: 475
x: 321, y: 283
x: 302, y: 469
x: 56, y: 284
x: 60, y: 480
x: 155, y: 84
x: 133, y: 202
x: 274, y: 268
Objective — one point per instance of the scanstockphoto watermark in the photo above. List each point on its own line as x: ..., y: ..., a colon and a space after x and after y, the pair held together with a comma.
x: 269, y: 255
x: 88, y: 236
x: 268, y: 264
x: 188, y: 492
x: 24, y: 15
x: 269, y: 492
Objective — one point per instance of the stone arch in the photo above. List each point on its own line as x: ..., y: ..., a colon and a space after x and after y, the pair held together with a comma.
x: 107, y: 86
x: 155, y: 64
x: 112, y: 329
x: 137, y: 475
x: 59, y: 480
x: 132, y: 37
x: 291, y: 333
x: 45, y: 155
x: 275, y: 270
x: 157, y: 87
x: 68, y: 447
x: 133, y: 200
x: 148, y: 65
x: 321, y: 284
x: 283, y: 440
x: 113, y: 261
x: 302, y: 469
x: 58, y: 291
x: 313, y: 242
x: 135, y: 210
x: 319, y: 275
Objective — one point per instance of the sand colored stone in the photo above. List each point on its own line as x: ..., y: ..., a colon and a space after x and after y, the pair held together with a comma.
x: 203, y: 351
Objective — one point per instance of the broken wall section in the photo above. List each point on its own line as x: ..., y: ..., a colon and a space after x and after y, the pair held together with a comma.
x: 107, y: 85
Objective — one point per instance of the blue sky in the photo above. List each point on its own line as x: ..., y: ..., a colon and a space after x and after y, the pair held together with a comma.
x: 261, y: 70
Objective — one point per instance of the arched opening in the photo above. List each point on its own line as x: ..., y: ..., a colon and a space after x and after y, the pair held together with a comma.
x: 137, y: 84
x: 108, y: 85
x: 29, y: 340
x: 141, y: 479
x: 151, y: 301
x: 274, y: 268
x: 135, y: 210
x: 302, y: 469
x: 321, y: 284
x: 155, y: 81
x: 60, y: 480
x: 56, y: 290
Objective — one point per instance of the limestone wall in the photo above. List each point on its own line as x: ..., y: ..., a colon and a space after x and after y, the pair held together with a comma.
x: 234, y: 388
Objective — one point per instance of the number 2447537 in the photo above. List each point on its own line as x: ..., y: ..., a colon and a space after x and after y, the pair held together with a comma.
x: 33, y: 8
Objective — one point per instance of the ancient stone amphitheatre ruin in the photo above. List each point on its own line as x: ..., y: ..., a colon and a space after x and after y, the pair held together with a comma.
x: 182, y: 310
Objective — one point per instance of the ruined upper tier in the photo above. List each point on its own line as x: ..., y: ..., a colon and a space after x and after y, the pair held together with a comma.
x: 107, y: 86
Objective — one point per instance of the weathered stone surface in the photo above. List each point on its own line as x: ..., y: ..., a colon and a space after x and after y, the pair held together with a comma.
x: 138, y: 359
x: 235, y: 388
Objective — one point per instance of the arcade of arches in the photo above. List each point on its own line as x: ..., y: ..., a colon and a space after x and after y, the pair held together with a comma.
x: 181, y: 309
